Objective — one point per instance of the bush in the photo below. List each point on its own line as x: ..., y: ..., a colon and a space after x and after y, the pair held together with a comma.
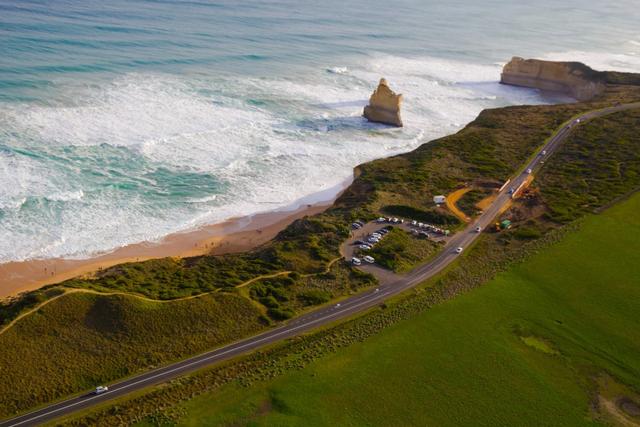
x: 280, y: 313
x: 314, y: 297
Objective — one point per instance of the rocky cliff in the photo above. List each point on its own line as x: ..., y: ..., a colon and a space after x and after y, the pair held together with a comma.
x: 384, y: 106
x: 572, y: 78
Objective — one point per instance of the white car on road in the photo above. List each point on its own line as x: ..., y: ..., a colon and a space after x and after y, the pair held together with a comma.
x: 459, y: 250
x: 356, y: 261
x: 101, y: 389
x: 369, y: 259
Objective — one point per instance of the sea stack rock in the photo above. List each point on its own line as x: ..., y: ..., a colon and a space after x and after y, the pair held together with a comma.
x: 384, y: 106
x: 572, y: 78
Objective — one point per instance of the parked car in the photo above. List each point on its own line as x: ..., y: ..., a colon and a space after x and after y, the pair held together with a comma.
x: 414, y: 222
x: 381, y: 220
x: 365, y: 247
x: 356, y: 261
x: 373, y: 240
x: 356, y: 226
x: 369, y: 259
x: 459, y: 250
x: 478, y: 229
x: 101, y: 389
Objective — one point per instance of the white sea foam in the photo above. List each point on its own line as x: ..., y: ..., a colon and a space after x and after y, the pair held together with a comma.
x: 146, y: 155
x: 603, y: 61
x: 338, y: 70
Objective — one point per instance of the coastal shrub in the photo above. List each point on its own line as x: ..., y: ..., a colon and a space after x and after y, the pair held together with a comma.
x: 399, y: 251
x: 314, y: 297
x: 467, y: 203
x: 81, y: 340
x: 280, y: 313
x: 597, y: 164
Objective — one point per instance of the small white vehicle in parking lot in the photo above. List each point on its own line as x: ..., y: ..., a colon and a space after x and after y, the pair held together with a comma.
x: 414, y: 222
x: 381, y: 220
x: 101, y: 389
x: 373, y: 240
x: 365, y: 247
x: 369, y: 259
x: 459, y: 250
x: 356, y: 261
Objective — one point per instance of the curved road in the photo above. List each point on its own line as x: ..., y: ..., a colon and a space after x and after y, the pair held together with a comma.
x: 320, y: 317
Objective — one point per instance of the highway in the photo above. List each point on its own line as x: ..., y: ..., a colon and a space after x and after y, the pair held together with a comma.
x: 322, y: 316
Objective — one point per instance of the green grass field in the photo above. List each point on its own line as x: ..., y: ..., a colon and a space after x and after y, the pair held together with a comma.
x: 525, y: 349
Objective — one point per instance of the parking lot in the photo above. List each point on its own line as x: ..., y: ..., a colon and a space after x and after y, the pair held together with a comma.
x: 361, y: 235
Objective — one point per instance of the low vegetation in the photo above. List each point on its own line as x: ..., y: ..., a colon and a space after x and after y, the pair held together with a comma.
x: 83, y: 340
x: 600, y: 162
x: 400, y: 251
x: 467, y: 203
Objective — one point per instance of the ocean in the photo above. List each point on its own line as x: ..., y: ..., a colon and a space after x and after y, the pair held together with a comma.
x: 126, y: 121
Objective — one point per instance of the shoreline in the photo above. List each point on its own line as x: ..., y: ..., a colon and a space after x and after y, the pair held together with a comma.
x: 233, y: 235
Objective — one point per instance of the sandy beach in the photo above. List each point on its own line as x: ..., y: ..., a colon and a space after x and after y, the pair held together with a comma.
x: 235, y: 235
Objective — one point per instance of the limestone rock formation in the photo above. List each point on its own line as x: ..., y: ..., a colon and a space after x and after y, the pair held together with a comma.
x: 384, y: 106
x: 572, y: 78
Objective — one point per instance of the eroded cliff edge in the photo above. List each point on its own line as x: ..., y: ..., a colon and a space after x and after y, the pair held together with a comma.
x: 571, y: 78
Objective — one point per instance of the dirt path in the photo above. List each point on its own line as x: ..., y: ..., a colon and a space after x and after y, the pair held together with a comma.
x: 612, y: 409
x: 451, y: 201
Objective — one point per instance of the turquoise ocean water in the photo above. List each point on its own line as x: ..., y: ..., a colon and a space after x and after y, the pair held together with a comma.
x: 124, y: 121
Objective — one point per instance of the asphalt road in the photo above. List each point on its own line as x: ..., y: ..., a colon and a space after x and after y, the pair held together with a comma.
x: 319, y: 317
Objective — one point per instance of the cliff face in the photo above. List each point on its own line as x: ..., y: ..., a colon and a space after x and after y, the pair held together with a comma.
x: 572, y: 78
x: 384, y: 106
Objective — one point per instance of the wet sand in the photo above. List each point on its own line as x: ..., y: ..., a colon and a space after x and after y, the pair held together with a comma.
x: 235, y: 235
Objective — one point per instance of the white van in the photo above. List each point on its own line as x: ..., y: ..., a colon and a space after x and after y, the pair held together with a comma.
x: 356, y: 261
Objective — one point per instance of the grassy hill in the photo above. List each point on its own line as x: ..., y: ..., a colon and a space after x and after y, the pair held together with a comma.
x: 532, y: 347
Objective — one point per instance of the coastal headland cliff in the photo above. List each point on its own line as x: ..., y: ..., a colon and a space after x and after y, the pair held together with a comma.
x: 572, y: 78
